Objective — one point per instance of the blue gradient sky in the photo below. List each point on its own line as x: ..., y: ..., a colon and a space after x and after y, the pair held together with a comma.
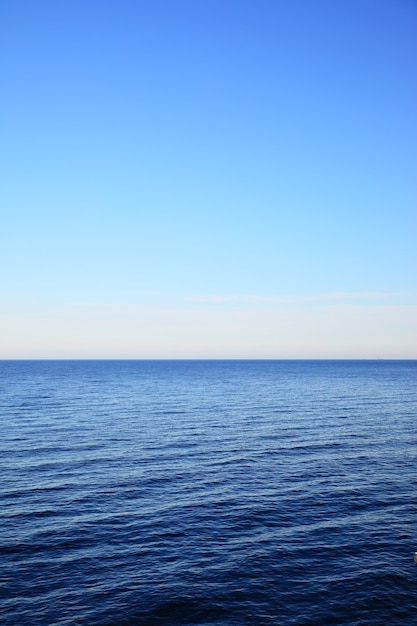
x: 208, y: 178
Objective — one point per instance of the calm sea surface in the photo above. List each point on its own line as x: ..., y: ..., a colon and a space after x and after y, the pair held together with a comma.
x: 208, y: 492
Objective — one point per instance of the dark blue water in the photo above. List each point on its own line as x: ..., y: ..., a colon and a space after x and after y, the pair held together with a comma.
x: 203, y: 492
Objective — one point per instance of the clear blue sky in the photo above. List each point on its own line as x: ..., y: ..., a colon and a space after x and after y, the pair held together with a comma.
x: 208, y: 178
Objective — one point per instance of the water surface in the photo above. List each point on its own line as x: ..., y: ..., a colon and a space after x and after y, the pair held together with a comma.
x: 208, y: 492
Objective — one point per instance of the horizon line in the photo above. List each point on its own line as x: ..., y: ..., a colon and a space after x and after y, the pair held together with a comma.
x: 211, y: 359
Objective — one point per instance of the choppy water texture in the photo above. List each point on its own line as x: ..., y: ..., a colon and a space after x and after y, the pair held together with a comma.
x: 203, y: 492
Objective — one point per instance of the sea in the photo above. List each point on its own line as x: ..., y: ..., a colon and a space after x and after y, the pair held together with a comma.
x: 215, y: 493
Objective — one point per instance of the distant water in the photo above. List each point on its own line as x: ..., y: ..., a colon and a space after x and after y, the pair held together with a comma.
x: 219, y: 493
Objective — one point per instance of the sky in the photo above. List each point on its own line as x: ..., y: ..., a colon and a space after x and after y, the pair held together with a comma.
x: 208, y: 179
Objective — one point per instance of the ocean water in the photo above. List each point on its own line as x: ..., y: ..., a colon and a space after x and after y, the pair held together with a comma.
x: 208, y: 493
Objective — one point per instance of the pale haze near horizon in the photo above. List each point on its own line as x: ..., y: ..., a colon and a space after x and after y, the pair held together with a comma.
x: 208, y: 179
